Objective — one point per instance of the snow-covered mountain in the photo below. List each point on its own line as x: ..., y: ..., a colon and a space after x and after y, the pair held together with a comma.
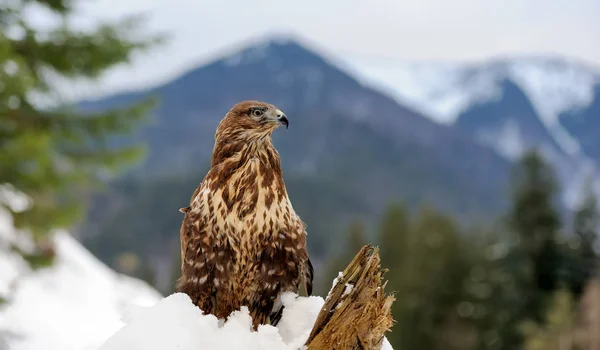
x: 509, y: 105
x: 76, y: 304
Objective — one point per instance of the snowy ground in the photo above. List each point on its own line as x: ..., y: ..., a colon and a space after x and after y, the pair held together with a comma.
x: 74, y: 305
x: 175, y: 323
x: 81, y: 304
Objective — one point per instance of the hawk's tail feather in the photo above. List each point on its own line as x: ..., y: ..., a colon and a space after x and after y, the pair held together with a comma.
x: 276, y: 316
x: 308, y: 277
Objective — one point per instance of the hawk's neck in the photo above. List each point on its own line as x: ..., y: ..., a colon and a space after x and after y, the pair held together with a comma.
x: 246, y: 174
x: 235, y: 157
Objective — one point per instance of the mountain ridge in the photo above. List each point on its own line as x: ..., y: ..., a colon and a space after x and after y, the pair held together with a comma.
x: 341, y: 132
x: 563, y: 94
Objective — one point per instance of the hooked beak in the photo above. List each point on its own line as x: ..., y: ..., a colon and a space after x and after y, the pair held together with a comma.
x: 283, y: 120
x: 279, y: 117
x: 276, y: 116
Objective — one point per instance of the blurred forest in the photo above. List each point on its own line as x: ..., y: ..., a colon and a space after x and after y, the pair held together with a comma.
x: 50, y: 151
x: 527, y: 281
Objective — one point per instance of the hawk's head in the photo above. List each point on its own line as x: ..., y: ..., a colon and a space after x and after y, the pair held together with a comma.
x: 250, y: 121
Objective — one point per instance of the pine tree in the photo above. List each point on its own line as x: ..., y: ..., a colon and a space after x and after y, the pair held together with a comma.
x: 586, y: 225
x: 53, y: 153
x: 429, y: 262
x: 536, y: 260
x: 582, y: 259
x: 556, y: 332
x: 494, y: 289
x: 393, y: 235
x: 399, y: 251
x: 356, y: 239
x: 533, y: 217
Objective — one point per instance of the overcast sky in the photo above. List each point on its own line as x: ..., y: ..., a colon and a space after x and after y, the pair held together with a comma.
x: 395, y: 29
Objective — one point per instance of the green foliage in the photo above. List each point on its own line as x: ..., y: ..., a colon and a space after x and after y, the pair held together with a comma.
x: 431, y: 278
x: 428, y: 261
x: 50, y: 151
x: 586, y: 226
x: 355, y: 240
x: 509, y: 287
x: 533, y: 216
x: 580, y: 258
x: 536, y: 224
x: 556, y: 330
x: 493, y: 287
x: 38, y: 259
x: 537, y: 266
x: 393, y: 232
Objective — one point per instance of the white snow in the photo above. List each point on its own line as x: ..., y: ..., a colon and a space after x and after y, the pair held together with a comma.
x: 335, y: 281
x: 555, y: 87
x: 347, y: 289
x: 438, y: 90
x: 507, y: 141
x: 249, y: 55
x: 80, y: 304
x: 75, y: 304
x: 442, y: 91
x: 175, y: 323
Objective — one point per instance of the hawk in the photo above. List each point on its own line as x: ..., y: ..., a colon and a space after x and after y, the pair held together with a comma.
x: 242, y: 243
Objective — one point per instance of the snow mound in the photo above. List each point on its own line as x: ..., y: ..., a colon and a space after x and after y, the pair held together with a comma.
x: 75, y: 304
x: 175, y: 323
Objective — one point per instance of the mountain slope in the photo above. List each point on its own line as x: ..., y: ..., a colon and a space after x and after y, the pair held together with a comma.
x: 323, y: 102
x: 306, y: 86
x: 345, y: 140
x: 584, y: 124
x: 510, y: 124
x: 509, y: 104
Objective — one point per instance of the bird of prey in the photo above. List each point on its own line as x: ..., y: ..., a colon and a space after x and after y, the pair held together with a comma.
x: 242, y: 243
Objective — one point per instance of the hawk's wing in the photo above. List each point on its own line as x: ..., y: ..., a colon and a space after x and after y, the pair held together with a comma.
x: 207, y: 262
x: 183, y: 237
x: 283, y: 268
x: 308, y: 277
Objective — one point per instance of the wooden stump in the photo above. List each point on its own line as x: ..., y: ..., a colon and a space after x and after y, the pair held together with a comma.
x: 356, y: 313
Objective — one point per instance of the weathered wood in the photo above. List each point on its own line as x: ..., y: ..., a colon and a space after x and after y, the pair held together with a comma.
x: 356, y: 313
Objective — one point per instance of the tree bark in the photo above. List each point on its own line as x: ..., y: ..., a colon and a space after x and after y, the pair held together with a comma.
x: 356, y: 313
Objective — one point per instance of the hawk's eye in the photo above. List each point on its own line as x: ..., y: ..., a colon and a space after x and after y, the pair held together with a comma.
x: 257, y: 112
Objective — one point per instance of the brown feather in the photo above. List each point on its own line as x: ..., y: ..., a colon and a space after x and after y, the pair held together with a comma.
x: 242, y: 243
